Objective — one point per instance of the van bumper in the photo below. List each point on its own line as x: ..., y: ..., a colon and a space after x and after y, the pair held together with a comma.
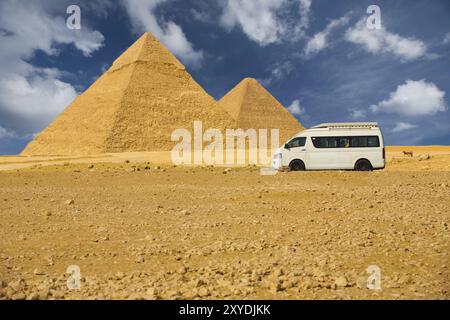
x: 277, y: 164
x: 379, y: 166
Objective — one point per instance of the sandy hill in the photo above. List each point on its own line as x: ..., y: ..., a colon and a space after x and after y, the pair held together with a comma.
x: 134, y: 106
x: 252, y: 106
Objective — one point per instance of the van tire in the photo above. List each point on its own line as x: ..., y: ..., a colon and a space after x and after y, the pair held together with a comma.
x: 297, y: 165
x: 363, y: 165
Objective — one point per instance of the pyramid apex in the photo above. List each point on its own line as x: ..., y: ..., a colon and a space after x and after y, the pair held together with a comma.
x: 147, y: 36
x: 147, y: 48
x: 250, y: 80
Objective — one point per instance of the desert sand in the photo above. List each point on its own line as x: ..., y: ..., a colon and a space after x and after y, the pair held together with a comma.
x: 140, y: 228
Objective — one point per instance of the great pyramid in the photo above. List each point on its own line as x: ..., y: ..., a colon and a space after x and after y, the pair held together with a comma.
x: 252, y: 106
x: 134, y: 106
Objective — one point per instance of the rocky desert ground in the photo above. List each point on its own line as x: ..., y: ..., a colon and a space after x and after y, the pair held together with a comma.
x: 141, y: 229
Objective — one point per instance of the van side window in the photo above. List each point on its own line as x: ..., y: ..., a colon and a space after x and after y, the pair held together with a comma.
x: 373, y: 142
x: 358, y: 142
x: 296, y: 143
x: 325, y: 142
x: 346, y: 142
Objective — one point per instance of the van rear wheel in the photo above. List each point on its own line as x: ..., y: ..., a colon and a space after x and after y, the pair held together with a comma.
x: 363, y: 165
x: 297, y: 165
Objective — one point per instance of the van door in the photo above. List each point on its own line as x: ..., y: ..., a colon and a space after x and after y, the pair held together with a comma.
x: 294, y: 149
x: 323, y: 153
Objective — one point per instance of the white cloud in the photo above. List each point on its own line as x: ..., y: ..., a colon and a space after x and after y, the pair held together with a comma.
x: 296, y: 109
x: 6, y: 133
x: 383, y: 41
x: 414, y: 98
x: 357, y: 114
x: 446, y: 38
x: 320, y: 40
x: 30, y: 96
x: 265, y: 21
x: 303, y: 23
x: 278, y: 72
x: 403, y: 126
x: 143, y: 19
x: 257, y: 19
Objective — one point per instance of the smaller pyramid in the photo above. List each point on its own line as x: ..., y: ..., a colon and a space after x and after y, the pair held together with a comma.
x: 252, y: 106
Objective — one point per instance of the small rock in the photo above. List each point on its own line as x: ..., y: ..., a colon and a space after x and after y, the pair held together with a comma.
x: 151, y: 294
x: 424, y: 157
x: 185, y: 212
x: 275, y: 287
x: 38, y: 272
x: 182, y: 270
x: 120, y: 275
x: 19, y: 296
x: 341, y: 282
x: 140, y: 259
x: 17, y: 285
x: 203, y: 292
x: 361, y: 283
x: 70, y: 202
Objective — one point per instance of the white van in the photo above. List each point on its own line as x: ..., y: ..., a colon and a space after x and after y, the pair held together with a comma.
x: 334, y: 146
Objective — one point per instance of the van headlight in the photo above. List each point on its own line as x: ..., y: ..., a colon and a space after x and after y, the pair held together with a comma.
x: 278, y: 156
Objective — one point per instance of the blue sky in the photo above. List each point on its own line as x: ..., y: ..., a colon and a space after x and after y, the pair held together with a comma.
x: 317, y: 57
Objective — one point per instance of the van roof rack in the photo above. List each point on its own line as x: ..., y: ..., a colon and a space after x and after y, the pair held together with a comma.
x: 347, y: 125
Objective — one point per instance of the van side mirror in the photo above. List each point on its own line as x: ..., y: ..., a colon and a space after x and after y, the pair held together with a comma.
x: 286, y: 146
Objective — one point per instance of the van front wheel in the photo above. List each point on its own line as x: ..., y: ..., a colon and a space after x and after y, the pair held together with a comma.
x: 363, y: 165
x: 297, y: 165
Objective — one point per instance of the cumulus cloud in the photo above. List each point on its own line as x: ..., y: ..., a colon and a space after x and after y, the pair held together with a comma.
x: 383, y: 41
x: 296, y: 109
x: 446, y: 38
x: 320, y: 40
x: 31, y: 96
x: 143, y: 19
x: 263, y: 21
x: 414, y: 98
x: 258, y: 19
x: 403, y: 126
